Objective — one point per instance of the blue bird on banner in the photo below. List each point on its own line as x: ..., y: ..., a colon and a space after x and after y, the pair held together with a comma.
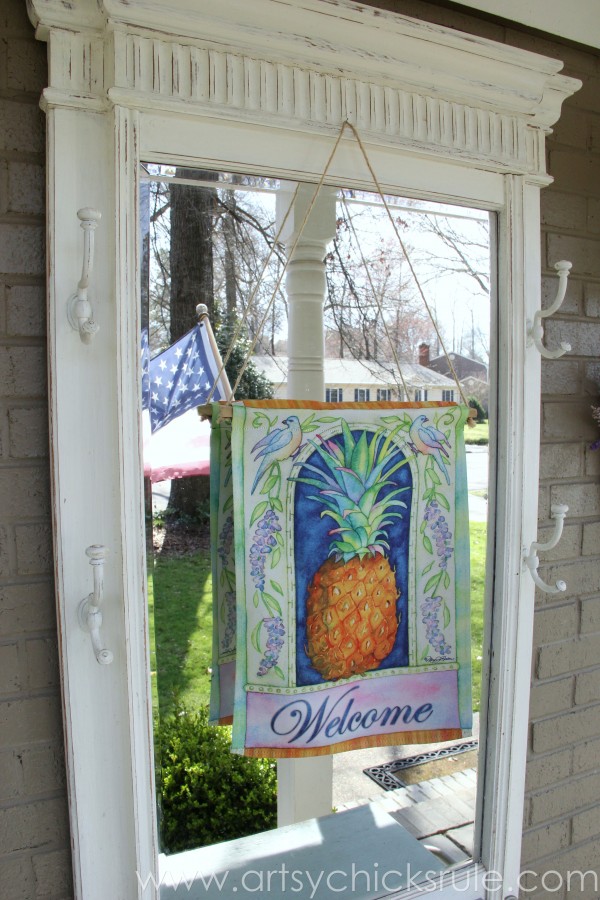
x: 278, y: 445
x: 430, y: 441
x: 180, y: 378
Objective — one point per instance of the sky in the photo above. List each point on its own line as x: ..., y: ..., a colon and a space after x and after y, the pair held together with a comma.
x: 458, y: 302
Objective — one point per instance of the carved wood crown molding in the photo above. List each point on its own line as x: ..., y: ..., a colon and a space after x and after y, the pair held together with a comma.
x: 400, y: 81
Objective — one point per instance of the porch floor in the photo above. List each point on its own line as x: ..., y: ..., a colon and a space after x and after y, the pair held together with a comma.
x: 439, y: 812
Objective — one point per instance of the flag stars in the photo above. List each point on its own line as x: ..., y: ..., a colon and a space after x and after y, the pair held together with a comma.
x: 180, y: 378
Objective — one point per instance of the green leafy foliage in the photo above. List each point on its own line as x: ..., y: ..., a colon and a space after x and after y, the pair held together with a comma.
x: 253, y: 385
x: 474, y: 403
x: 198, y: 513
x: 350, y: 490
x: 208, y: 793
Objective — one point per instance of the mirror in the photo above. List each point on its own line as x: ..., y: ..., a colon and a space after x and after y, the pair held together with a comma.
x: 212, y: 237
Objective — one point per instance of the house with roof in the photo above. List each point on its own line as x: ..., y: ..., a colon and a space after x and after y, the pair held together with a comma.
x: 361, y: 380
x: 497, y: 104
x: 476, y: 387
x: 464, y: 366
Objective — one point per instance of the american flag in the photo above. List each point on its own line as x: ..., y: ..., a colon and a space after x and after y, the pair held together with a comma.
x: 180, y: 378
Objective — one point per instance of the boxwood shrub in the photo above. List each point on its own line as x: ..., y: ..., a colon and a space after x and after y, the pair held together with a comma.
x: 208, y: 794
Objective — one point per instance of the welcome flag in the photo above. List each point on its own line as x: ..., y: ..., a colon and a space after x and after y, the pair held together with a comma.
x: 223, y: 572
x: 352, y: 576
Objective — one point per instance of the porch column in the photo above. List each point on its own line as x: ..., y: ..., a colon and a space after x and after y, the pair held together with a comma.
x: 305, y: 786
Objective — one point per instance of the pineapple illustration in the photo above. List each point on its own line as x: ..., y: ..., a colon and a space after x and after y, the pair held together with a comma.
x: 351, y: 613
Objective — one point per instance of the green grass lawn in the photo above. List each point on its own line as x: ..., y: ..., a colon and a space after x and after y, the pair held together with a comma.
x: 180, y: 602
x: 478, y: 539
x: 479, y: 434
x: 180, y: 612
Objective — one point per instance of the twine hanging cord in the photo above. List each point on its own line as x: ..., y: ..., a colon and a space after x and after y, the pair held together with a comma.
x: 244, y: 318
x: 472, y: 412
x: 290, y: 253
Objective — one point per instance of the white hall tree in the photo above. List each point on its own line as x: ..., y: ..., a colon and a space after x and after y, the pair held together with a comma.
x: 203, y: 90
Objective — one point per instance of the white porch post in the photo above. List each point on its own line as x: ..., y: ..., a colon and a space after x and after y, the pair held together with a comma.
x: 305, y: 786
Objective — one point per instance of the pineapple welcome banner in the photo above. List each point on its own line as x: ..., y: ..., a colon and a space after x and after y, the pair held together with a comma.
x: 223, y: 572
x: 352, y: 572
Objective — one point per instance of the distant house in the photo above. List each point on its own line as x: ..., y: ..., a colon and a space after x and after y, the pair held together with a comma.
x: 476, y: 387
x: 463, y: 365
x: 361, y: 381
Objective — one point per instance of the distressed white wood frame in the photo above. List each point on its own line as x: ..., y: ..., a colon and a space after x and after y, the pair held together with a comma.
x: 263, y: 87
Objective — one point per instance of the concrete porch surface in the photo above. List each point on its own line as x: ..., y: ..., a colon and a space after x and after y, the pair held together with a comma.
x: 439, y: 812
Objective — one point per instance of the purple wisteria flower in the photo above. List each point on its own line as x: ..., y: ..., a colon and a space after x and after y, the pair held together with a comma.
x: 440, y: 531
x: 275, y: 635
x: 430, y: 609
x: 228, y: 640
x: 264, y: 542
x: 225, y: 541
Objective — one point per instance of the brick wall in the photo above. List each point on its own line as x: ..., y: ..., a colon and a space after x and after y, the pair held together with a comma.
x: 34, y: 835
x: 562, y: 824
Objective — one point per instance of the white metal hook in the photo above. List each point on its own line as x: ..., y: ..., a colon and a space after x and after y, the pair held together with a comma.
x: 532, y: 561
x: 79, y: 309
x: 535, y: 332
x: 89, y: 612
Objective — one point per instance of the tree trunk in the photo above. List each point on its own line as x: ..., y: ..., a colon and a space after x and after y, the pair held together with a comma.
x: 145, y: 267
x: 192, y: 211
x: 229, y: 265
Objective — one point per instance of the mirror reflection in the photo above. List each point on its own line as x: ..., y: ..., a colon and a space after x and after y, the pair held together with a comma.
x: 216, y: 239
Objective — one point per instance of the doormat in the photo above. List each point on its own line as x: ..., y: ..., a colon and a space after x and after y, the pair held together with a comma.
x: 395, y: 775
